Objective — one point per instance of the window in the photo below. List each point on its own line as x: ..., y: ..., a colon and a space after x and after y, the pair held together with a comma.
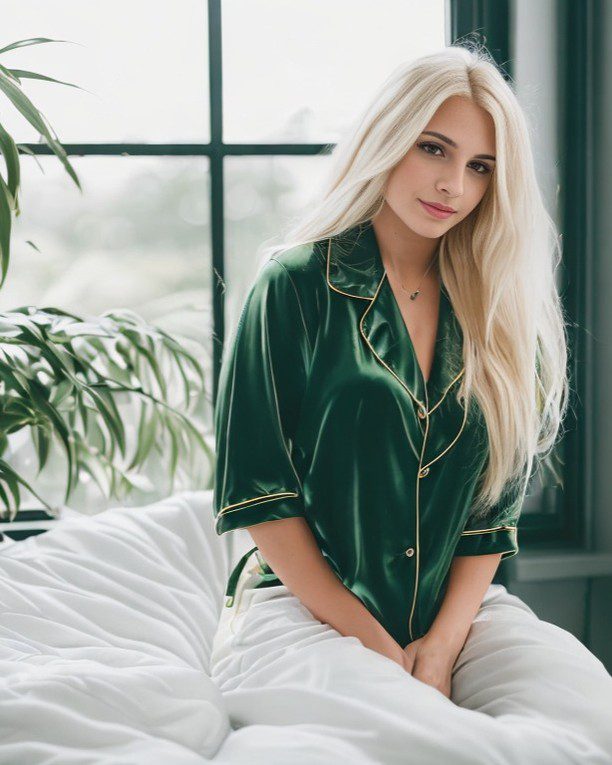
x: 207, y: 126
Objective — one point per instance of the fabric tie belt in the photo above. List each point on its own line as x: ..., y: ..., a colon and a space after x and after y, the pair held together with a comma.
x: 265, y: 575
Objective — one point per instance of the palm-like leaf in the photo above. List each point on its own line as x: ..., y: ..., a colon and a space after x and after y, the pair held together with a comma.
x: 10, y: 86
x: 62, y: 375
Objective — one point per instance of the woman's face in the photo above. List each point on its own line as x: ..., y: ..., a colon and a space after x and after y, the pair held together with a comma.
x: 452, y: 168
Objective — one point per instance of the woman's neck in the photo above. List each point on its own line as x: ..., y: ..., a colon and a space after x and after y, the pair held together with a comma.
x: 410, y: 253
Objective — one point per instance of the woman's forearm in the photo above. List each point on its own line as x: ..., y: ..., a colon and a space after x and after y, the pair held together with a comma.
x: 469, y: 579
x: 289, y: 547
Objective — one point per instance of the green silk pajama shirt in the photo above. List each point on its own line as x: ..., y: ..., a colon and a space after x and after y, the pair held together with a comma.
x: 323, y: 412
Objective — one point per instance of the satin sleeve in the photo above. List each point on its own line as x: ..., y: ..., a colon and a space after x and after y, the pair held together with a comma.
x: 497, y: 531
x: 261, y: 387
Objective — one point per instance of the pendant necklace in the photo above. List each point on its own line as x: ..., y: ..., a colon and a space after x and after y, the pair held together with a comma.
x: 415, y: 294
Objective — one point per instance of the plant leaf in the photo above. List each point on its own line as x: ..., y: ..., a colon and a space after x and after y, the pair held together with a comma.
x: 5, y: 229
x: 29, y: 41
x: 9, y: 151
x: 23, y: 104
x: 26, y: 75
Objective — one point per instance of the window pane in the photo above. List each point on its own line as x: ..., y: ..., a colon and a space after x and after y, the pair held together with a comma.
x: 534, y: 57
x: 146, y: 68
x: 296, y: 72
x: 262, y: 194
x: 138, y: 238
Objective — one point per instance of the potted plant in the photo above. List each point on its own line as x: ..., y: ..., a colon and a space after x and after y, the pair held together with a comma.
x: 64, y: 376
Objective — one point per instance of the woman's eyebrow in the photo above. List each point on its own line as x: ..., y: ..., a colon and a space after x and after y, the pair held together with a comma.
x: 450, y: 142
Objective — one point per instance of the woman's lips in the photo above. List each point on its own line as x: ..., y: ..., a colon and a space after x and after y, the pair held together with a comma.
x: 434, y: 210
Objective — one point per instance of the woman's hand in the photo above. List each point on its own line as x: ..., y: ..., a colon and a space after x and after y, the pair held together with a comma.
x: 431, y: 662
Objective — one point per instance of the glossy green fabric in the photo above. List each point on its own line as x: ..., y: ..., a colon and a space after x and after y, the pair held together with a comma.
x: 317, y: 416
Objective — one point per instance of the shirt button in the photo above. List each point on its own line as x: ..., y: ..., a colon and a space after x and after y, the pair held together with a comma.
x: 422, y: 413
x: 410, y: 552
x: 423, y: 472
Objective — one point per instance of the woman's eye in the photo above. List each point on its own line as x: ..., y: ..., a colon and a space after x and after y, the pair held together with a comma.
x: 425, y: 146
x: 485, y: 168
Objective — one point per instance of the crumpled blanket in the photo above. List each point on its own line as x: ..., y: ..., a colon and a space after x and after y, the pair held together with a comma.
x: 523, y: 690
x: 112, y: 651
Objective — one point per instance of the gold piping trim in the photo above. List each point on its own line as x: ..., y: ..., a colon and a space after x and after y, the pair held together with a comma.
x: 402, y: 383
x: 422, y: 467
x: 371, y: 347
x: 416, y: 573
x: 442, y: 453
x: 423, y: 406
x: 486, y: 531
x: 257, y: 500
x: 449, y: 386
x: 349, y: 294
x: 363, y: 297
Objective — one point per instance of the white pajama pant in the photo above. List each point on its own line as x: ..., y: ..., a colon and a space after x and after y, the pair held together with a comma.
x: 524, y: 691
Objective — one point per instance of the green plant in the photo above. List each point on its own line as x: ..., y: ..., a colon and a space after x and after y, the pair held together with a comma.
x: 62, y: 375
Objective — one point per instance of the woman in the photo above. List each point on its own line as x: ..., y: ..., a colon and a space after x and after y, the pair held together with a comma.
x: 398, y: 368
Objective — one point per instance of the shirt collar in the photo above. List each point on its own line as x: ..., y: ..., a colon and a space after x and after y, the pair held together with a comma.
x: 354, y: 265
x: 355, y: 269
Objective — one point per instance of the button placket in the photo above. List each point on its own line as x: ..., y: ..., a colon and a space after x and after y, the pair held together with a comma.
x: 423, y: 414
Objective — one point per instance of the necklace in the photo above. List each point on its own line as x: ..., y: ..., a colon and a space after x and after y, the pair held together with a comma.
x: 415, y: 294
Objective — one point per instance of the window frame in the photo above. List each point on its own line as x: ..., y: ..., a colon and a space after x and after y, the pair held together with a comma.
x: 570, y: 521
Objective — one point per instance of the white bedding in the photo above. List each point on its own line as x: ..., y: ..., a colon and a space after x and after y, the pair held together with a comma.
x: 106, y: 630
x: 524, y: 691
x: 106, y: 626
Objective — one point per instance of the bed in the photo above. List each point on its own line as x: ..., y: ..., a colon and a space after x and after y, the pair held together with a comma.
x: 106, y: 630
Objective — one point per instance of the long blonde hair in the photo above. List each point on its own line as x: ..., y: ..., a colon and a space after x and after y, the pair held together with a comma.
x: 497, y: 264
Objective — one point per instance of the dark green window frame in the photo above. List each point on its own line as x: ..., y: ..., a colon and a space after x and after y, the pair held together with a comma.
x: 570, y: 520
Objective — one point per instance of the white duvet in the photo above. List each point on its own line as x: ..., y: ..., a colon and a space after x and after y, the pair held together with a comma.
x: 107, y: 626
